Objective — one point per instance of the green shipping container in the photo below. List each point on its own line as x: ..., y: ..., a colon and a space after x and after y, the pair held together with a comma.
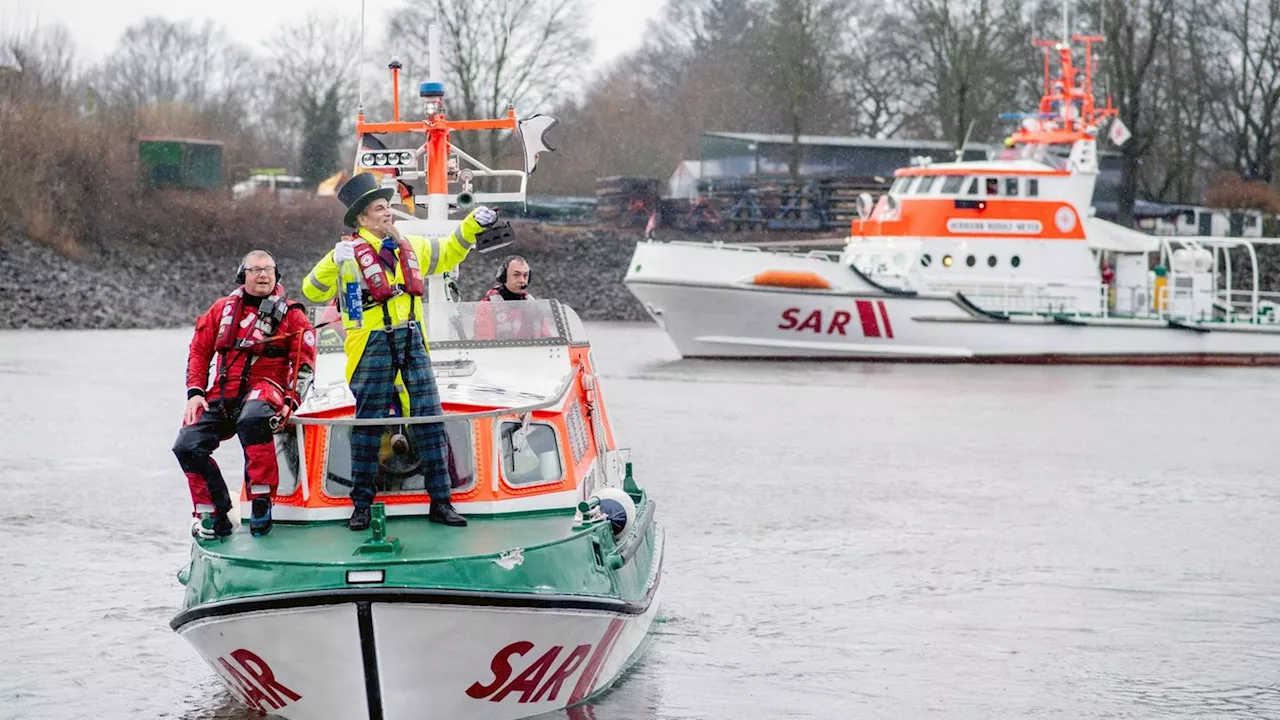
x: 180, y: 162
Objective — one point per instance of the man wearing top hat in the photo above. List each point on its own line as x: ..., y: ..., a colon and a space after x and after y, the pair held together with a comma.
x: 391, y: 344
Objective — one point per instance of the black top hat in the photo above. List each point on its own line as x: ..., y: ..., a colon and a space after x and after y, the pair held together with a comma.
x: 358, y: 192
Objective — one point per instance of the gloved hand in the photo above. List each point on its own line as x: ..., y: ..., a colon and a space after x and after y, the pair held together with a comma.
x: 345, y: 250
x: 484, y: 216
x: 280, y: 421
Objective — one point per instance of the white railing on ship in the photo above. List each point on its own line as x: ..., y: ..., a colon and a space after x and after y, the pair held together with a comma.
x: 1048, y: 298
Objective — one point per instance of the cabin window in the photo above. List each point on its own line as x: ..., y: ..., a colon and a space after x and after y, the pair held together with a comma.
x: 899, y: 185
x: 971, y: 261
x: 1015, y: 261
x: 925, y: 259
x: 1189, y: 217
x: 401, y: 474
x: 951, y: 185
x: 1250, y: 221
x: 911, y: 186
x: 1033, y: 187
x: 1011, y: 187
x: 993, y: 186
x: 926, y: 184
x: 287, y: 462
x: 972, y: 187
x: 991, y: 261
x: 946, y: 261
x: 530, y: 456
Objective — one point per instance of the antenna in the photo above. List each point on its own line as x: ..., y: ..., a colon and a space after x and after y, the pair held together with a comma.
x: 1066, y: 24
x: 359, y: 67
x: 965, y: 144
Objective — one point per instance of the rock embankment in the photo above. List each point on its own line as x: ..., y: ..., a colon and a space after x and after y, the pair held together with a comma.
x: 169, y: 286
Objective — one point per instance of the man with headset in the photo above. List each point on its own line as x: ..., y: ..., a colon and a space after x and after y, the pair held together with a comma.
x: 510, y: 322
x: 265, y: 348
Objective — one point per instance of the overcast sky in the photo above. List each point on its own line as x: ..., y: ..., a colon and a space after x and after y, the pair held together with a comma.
x: 617, y: 25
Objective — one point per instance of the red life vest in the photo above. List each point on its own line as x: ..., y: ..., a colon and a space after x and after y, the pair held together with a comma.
x: 249, y: 336
x: 375, y: 277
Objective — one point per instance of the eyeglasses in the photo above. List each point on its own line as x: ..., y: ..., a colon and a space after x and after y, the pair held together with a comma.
x: 260, y: 270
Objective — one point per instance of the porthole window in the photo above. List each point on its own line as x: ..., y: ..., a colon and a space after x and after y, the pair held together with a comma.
x: 971, y: 261
x: 946, y: 261
x: 925, y: 259
x: 1015, y: 261
x: 991, y: 261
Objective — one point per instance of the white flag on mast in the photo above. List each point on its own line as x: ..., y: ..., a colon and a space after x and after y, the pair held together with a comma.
x: 1118, y: 133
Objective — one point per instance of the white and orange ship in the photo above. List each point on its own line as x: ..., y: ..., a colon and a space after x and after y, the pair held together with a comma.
x: 999, y: 260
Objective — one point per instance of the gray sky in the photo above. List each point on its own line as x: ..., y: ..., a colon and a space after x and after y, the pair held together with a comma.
x: 617, y: 25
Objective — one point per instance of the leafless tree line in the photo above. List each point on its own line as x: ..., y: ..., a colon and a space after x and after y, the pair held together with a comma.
x: 1197, y: 83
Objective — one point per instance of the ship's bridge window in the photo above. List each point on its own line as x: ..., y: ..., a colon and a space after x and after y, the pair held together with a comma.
x: 399, y: 469
x: 1033, y: 187
x: 530, y: 455
x: 951, y: 185
x: 993, y: 186
x: 911, y: 187
x: 972, y: 187
x: 899, y: 185
x: 926, y: 184
x: 1011, y: 187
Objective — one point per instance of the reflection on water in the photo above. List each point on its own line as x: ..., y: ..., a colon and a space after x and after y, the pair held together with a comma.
x: 843, y: 540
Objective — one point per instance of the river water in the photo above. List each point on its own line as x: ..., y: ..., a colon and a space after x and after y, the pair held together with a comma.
x: 843, y: 540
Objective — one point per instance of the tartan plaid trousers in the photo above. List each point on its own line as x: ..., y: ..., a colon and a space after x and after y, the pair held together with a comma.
x: 373, y: 385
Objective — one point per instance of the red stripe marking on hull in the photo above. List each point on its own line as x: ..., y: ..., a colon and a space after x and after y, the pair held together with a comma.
x: 867, y: 315
x: 587, y: 680
x: 884, y: 315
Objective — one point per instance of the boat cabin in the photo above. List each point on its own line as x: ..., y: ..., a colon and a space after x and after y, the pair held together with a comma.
x: 523, y: 412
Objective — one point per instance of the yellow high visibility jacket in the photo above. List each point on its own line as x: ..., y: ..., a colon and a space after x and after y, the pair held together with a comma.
x: 435, y: 256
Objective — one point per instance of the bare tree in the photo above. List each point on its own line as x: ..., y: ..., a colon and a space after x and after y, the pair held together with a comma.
x: 313, y: 80
x: 1173, y: 170
x: 497, y: 53
x: 882, y: 96
x: 161, y: 61
x: 1136, y: 31
x: 798, y: 61
x: 1246, y: 77
x: 969, y: 57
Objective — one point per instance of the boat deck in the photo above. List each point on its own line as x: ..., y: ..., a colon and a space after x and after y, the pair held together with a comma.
x: 331, y: 543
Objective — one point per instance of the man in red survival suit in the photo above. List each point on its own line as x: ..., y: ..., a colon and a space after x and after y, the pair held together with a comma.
x: 503, y: 321
x: 265, y: 351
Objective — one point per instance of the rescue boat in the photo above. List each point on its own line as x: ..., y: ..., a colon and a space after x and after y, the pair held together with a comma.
x: 1000, y: 260
x: 540, y: 603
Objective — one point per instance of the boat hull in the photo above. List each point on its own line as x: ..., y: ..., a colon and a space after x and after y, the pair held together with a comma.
x: 703, y: 298
x: 396, y: 654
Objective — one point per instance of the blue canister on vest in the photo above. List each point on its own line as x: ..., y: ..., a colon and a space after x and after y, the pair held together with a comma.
x: 353, y: 304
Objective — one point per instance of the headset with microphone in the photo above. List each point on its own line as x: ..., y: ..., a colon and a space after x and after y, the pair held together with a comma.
x: 501, y: 277
x: 242, y: 270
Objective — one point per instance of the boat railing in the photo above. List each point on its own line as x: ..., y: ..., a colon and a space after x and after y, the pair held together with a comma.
x: 471, y: 325
x: 552, y: 399
x: 1031, y: 297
